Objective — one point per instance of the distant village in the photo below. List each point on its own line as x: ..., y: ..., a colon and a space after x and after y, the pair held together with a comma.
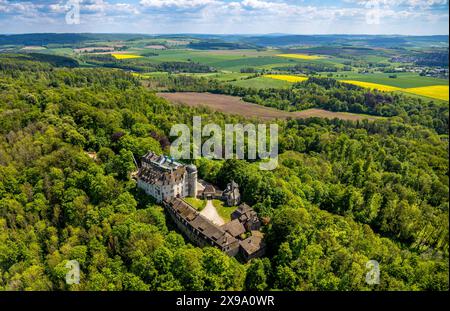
x: 169, y: 182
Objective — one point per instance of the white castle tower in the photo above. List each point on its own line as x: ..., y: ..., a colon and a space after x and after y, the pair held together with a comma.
x: 192, y: 180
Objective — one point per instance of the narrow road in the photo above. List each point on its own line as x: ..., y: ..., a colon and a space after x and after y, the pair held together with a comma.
x: 210, y: 212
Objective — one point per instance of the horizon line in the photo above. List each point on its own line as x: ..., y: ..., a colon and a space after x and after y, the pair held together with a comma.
x: 229, y: 34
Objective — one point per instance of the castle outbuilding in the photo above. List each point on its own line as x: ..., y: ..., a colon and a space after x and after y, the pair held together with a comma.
x: 231, y: 194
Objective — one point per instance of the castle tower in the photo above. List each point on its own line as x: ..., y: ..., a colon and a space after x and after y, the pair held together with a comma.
x: 192, y: 180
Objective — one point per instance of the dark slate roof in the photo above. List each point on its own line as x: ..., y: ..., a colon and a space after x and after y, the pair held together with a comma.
x: 209, y: 189
x: 184, y: 210
x: 213, y: 232
x: 252, y: 244
x: 244, y: 212
x: 234, y: 227
x: 158, y: 169
x: 244, y: 208
x: 156, y: 175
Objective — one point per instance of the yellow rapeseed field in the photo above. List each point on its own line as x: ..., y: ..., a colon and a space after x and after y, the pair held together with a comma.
x: 435, y: 91
x: 301, y: 56
x: 372, y: 86
x: 125, y: 56
x: 288, y: 78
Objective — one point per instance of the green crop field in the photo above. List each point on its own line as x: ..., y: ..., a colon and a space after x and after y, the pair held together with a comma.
x: 244, y: 62
x: 262, y: 83
x: 188, y: 55
x: 225, y: 76
x: 403, y: 80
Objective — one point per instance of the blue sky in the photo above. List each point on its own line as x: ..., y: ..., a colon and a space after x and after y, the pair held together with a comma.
x: 412, y: 17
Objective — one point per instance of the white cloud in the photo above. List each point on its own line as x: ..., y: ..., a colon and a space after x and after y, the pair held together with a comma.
x: 238, y: 16
x: 11, y: 7
x: 176, y: 3
x: 396, y: 3
x: 96, y: 6
x: 258, y: 4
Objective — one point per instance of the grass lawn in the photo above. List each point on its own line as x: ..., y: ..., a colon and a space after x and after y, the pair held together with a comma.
x: 196, y: 203
x: 224, y: 211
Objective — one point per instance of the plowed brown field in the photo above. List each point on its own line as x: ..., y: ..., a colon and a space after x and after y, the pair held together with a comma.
x: 235, y: 105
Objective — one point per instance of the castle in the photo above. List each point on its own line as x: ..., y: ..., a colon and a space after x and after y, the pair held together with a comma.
x: 163, y: 178
x: 169, y: 181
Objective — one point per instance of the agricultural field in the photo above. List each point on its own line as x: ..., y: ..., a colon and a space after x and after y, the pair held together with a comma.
x: 33, y: 48
x: 301, y: 56
x: 372, y: 86
x: 436, y: 91
x: 262, y: 83
x: 402, y: 80
x: 235, y: 105
x: 288, y: 78
x: 125, y: 56
x: 222, y: 60
x: 224, y: 76
x: 229, y: 64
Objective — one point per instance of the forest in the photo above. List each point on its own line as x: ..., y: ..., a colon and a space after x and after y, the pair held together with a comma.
x: 144, y: 65
x: 345, y: 192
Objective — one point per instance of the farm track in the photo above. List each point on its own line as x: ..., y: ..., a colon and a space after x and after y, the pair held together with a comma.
x: 235, y: 105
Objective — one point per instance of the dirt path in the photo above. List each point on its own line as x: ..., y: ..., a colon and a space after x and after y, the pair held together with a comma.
x: 210, y: 212
x: 235, y: 105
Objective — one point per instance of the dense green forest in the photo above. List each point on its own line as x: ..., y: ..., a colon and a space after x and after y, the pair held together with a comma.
x: 344, y: 193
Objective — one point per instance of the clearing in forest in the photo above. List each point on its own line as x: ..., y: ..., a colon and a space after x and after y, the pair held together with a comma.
x: 235, y: 105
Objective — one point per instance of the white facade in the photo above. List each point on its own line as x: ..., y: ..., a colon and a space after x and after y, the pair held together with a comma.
x: 161, y: 192
x: 163, y: 178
